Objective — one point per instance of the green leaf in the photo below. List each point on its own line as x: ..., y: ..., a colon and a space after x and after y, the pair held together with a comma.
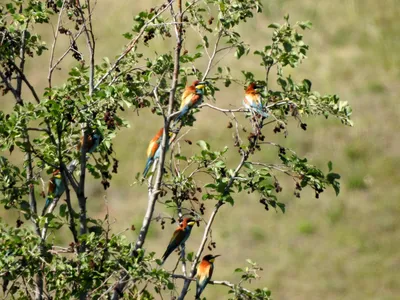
x: 220, y: 164
x: 170, y: 285
x: 332, y: 176
x: 238, y: 270
x: 229, y: 199
x: 330, y: 166
x: 203, y: 145
x: 211, y: 185
x: 274, y: 25
x: 127, y: 35
x: 181, y: 157
x: 190, y: 256
x: 305, y: 25
x: 281, y: 206
x: 205, y: 39
x: 307, y: 84
x: 250, y: 261
x: 62, y: 210
x: 207, y: 196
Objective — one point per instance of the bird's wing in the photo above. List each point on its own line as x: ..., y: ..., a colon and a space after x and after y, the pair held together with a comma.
x: 154, y: 143
x: 178, y: 236
x: 253, y: 100
x: 195, y: 99
x: 51, y: 186
x: 60, y: 188
x: 211, y: 270
x: 186, y: 97
x: 151, y: 150
x: 247, y: 101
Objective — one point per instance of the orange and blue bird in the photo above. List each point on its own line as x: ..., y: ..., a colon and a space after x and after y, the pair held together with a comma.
x: 192, y: 97
x: 55, y: 188
x: 179, y: 237
x: 252, y: 100
x: 92, y: 142
x: 154, y: 148
x: 204, y: 272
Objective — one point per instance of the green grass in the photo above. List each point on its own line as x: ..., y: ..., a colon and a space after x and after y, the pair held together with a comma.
x: 331, y: 248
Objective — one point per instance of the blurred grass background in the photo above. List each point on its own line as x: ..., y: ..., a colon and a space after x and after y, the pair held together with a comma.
x: 344, y: 247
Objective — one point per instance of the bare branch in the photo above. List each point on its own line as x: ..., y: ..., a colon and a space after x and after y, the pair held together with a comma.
x: 231, y: 285
x: 211, y: 60
x: 223, y: 109
x: 215, y: 282
x: 11, y: 88
x: 22, y: 57
x: 23, y: 78
x: 61, y: 58
x: 91, y: 44
x: 37, y: 129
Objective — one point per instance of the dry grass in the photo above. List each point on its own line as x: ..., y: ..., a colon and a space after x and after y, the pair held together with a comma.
x: 332, y: 248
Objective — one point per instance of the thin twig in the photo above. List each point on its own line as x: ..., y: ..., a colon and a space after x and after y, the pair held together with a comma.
x: 53, y: 46
x: 231, y: 285
x: 223, y: 109
x: 11, y: 88
x: 132, y: 43
x: 37, y: 129
x: 215, y: 282
x: 211, y: 59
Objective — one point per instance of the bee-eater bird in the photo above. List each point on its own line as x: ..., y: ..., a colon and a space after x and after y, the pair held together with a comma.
x: 252, y: 100
x: 55, y: 188
x: 179, y: 237
x: 204, y: 272
x: 192, y: 97
x: 92, y: 142
x: 154, y: 148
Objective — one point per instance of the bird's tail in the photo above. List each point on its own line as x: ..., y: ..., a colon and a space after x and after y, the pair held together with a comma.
x: 165, y: 255
x: 259, y: 111
x: 47, y: 204
x: 264, y: 114
x: 198, y: 292
x: 148, y: 165
x: 181, y: 114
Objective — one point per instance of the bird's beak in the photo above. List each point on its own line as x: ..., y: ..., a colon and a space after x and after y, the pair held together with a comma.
x: 201, y: 85
x: 215, y: 256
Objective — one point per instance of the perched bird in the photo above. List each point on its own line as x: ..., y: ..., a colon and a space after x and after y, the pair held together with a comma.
x: 192, y: 97
x: 154, y: 149
x: 252, y: 100
x: 92, y: 142
x: 179, y: 237
x: 204, y: 272
x: 55, y: 188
